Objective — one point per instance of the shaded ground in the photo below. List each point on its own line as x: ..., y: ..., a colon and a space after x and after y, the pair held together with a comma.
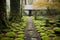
x: 30, y: 31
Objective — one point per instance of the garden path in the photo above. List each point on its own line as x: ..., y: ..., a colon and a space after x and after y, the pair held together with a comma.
x: 30, y: 31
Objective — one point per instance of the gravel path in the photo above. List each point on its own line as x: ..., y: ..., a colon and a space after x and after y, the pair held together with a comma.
x: 30, y: 31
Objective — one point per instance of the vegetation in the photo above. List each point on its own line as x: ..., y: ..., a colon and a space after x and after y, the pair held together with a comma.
x: 46, y: 32
x: 13, y: 21
x: 16, y: 31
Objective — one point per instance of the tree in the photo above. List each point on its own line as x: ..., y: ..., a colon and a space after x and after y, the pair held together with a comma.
x: 15, y: 10
x: 3, y: 21
x: 40, y: 3
x: 51, y: 6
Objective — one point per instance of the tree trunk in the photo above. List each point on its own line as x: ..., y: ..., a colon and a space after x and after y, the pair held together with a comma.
x: 15, y: 10
x: 21, y: 9
x: 50, y: 13
x: 3, y: 24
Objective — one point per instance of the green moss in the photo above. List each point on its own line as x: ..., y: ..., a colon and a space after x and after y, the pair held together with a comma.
x: 10, y: 34
x: 21, y: 32
x: 41, y: 31
x: 19, y: 39
x: 38, y: 27
x: 51, y: 21
x: 57, y: 29
x: 21, y: 35
x: 43, y: 28
x: 1, y: 35
x: 53, y: 35
x: 56, y: 38
x: 45, y: 38
x: 5, y: 38
x: 49, y: 32
x: 6, y: 30
x: 24, y: 25
x: 15, y: 24
x: 21, y: 29
x: 43, y: 34
x: 14, y: 30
